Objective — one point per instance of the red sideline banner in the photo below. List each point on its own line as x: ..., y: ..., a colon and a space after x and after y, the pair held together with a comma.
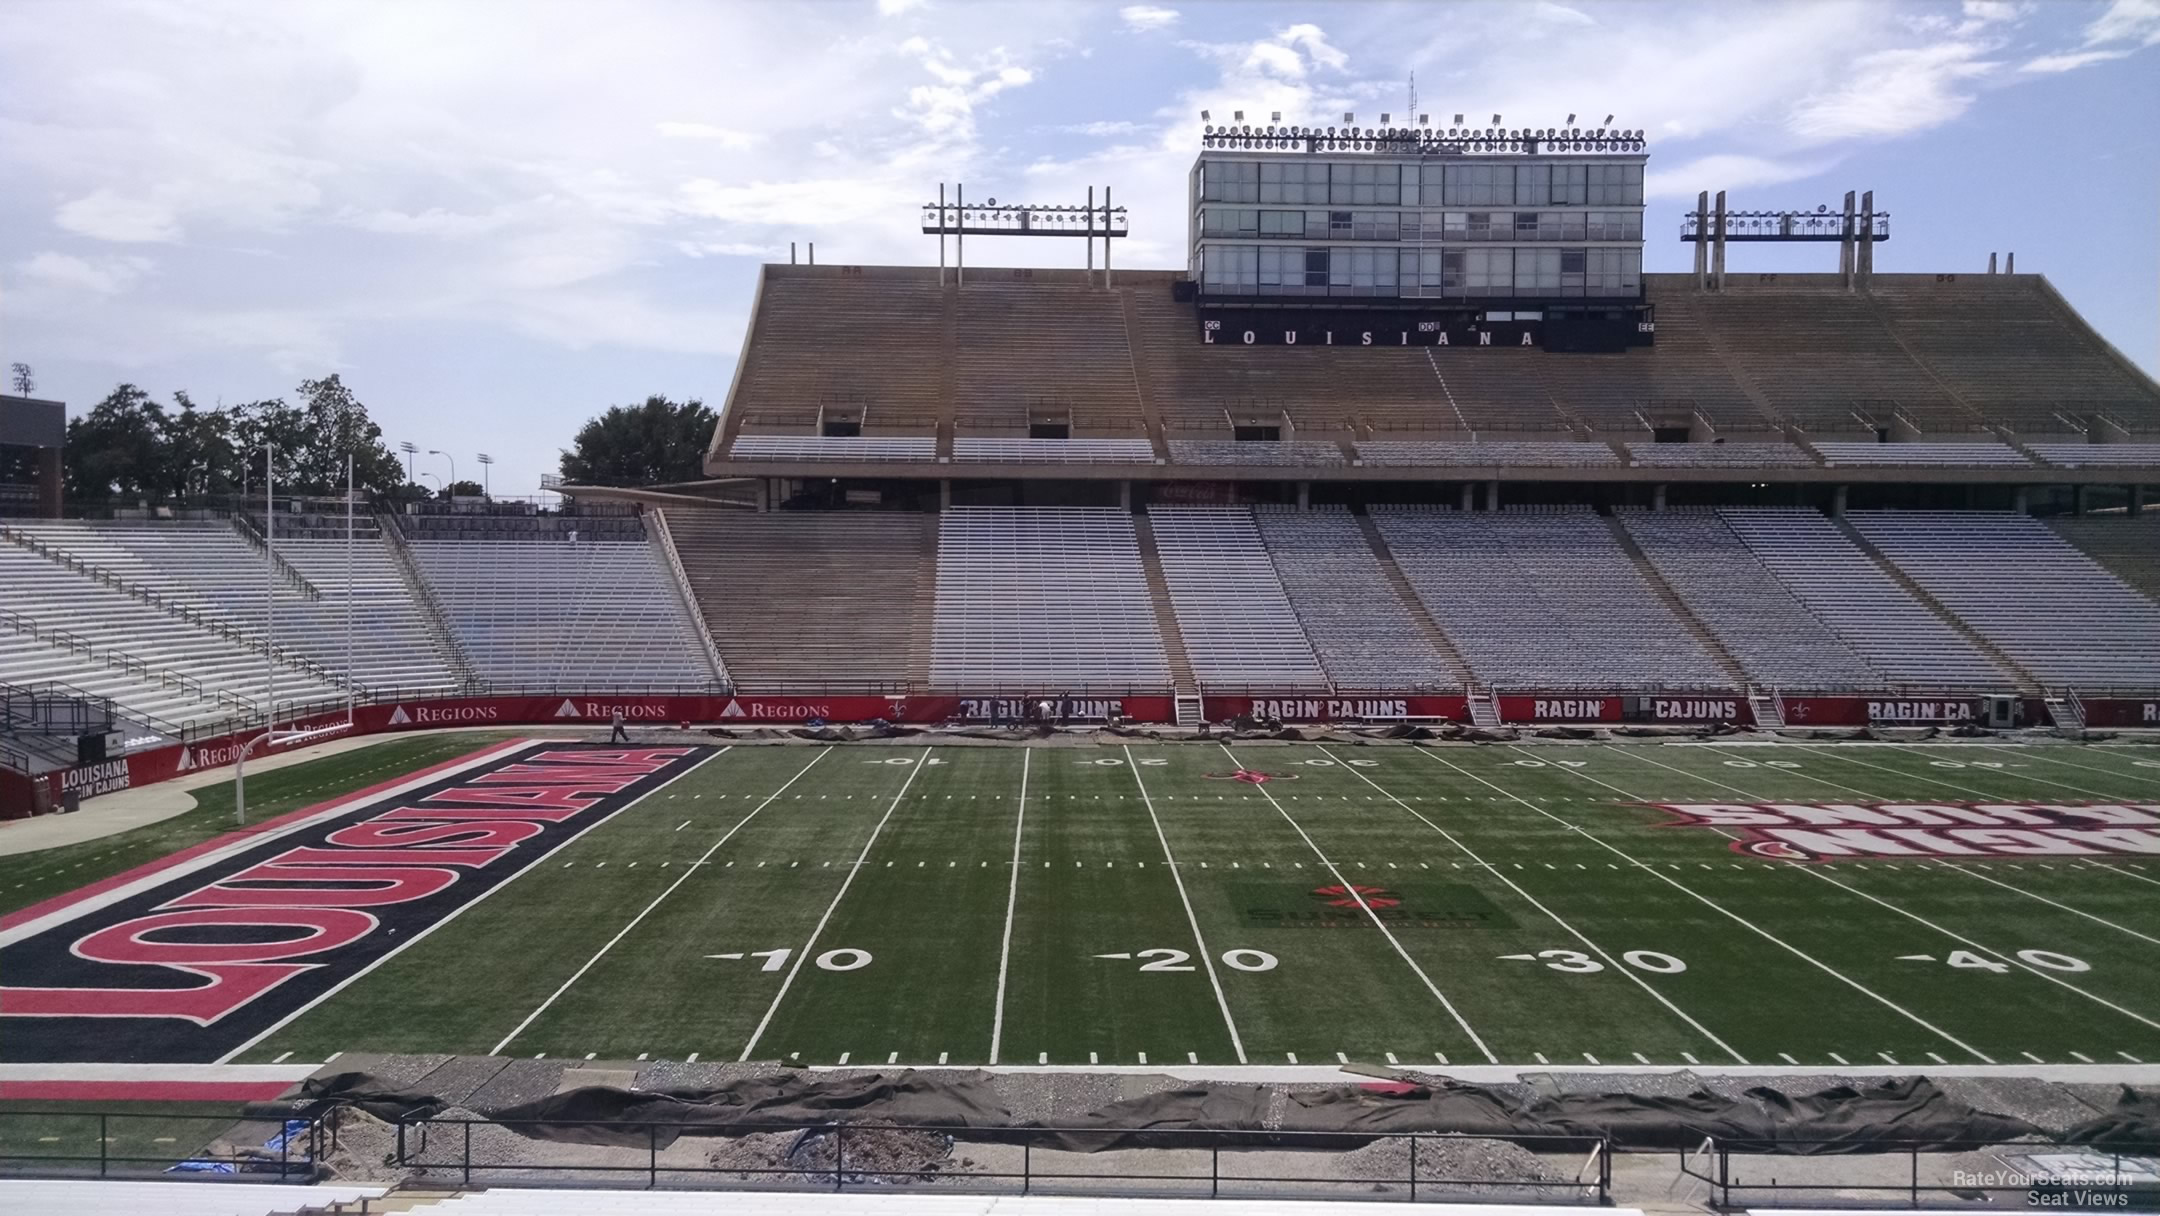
x: 18, y: 794
x: 2109, y: 712
x: 1341, y: 707
x: 1675, y: 710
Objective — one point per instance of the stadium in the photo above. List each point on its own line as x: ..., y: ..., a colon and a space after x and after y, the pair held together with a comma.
x: 1409, y: 640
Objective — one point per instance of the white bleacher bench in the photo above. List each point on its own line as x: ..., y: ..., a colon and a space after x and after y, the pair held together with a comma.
x: 834, y: 447
x: 1989, y: 454
x: 1361, y: 630
x: 993, y: 450
x: 1717, y: 455
x: 1237, y: 623
x: 1534, y: 453
x: 1269, y: 453
x: 2100, y: 455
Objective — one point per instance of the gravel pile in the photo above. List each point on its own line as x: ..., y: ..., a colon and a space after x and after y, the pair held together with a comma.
x: 1448, y: 1157
x: 882, y: 1157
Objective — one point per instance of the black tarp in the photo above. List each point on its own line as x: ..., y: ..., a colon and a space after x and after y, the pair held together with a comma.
x: 1898, y: 1114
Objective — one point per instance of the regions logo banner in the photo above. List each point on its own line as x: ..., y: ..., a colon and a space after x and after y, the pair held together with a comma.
x: 195, y: 961
x: 1826, y: 831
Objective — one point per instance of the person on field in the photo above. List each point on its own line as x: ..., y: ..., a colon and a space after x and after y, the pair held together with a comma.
x: 616, y: 734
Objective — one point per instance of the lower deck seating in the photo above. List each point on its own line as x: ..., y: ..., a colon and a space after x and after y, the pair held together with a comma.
x: 2100, y: 455
x: 1048, y: 598
x: 1898, y: 636
x: 565, y: 614
x: 1545, y: 599
x: 1236, y: 622
x: 811, y: 598
x: 2059, y: 614
x: 1772, y: 635
x: 1359, y: 627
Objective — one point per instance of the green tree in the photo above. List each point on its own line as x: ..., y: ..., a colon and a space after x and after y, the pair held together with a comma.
x: 655, y: 443
x: 336, y: 423
x: 466, y: 489
x: 117, y: 450
x: 199, y: 454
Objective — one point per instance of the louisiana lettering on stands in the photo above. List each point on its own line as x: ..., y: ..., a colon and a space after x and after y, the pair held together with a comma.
x: 191, y: 966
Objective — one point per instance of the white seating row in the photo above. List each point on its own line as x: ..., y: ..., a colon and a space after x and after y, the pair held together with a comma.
x: 991, y: 449
x: 1048, y: 597
x: 2100, y: 455
x: 1491, y: 453
x: 1545, y: 600
x: 1254, y: 452
x: 1237, y: 624
x: 1988, y: 453
x: 1359, y: 627
x: 1717, y: 455
x: 2056, y: 612
x: 1773, y: 636
x: 834, y: 447
x: 1898, y: 636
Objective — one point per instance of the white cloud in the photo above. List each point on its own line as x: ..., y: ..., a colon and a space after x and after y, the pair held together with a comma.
x: 110, y: 216
x: 1894, y: 92
x: 893, y: 8
x: 103, y: 276
x: 2127, y: 21
x: 2068, y: 61
x: 1100, y: 128
x: 1147, y: 18
x: 704, y: 130
x: 1726, y: 171
x: 729, y: 249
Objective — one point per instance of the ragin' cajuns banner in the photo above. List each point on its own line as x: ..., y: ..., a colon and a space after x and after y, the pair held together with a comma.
x: 18, y: 794
x: 193, y: 959
x: 1825, y: 831
x: 1340, y: 707
x: 1678, y: 709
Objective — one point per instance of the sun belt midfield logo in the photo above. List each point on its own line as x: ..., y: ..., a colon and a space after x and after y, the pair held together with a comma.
x: 1350, y: 896
x: 1251, y: 776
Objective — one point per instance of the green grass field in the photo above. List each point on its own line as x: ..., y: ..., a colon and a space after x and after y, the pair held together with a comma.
x: 1103, y: 905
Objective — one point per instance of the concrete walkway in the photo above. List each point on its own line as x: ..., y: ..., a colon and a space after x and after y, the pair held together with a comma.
x: 123, y: 810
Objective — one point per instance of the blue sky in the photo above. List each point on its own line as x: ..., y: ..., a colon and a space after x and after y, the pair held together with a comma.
x: 497, y: 218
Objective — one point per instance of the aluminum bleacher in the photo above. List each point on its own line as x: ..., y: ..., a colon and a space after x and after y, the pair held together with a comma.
x: 2100, y: 455
x: 1254, y: 452
x: 1049, y: 598
x: 564, y: 614
x: 1952, y: 454
x: 1530, y: 453
x: 1545, y: 599
x: 1772, y: 635
x: 2129, y: 546
x: 1237, y: 623
x: 798, y: 599
x: 1897, y: 635
x: 853, y: 448
x: 2056, y: 612
x: 1362, y: 632
x: 1717, y: 455
x: 993, y: 450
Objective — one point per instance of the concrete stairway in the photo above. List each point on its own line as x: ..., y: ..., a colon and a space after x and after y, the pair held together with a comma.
x: 1181, y: 673
x: 1671, y: 599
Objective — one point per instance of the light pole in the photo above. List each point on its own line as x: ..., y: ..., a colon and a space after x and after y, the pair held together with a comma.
x: 453, y: 474
x: 487, y: 485
x: 438, y: 481
x: 409, y: 449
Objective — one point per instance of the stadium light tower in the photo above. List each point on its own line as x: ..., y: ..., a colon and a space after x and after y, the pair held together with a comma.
x: 409, y: 449
x: 487, y: 486
x: 453, y: 473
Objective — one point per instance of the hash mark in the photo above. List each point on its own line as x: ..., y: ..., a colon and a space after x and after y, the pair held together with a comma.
x: 680, y: 826
x: 941, y: 1057
x: 2082, y: 1057
x: 691, y: 1058
x: 1640, y: 1058
x: 892, y: 1058
x: 2030, y: 1056
x: 1939, y: 1060
x: 281, y: 1058
x: 2127, y: 1056
x: 1291, y: 1054
x: 1690, y: 1059
x: 1340, y: 1058
x: 1787, y: 1057
x: 1143, y: 1057
x: 1840, y: 1059
x: 1587, y: 1056
x: 1092, y: 1058
x: 590, y: 1054
x: 1541, y: 1057
x: 1391, y: 1058
x: 843, y: 1056
x: 1887, y: 1058
x: 641, y: 1055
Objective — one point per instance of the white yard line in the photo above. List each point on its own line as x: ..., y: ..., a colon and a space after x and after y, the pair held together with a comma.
x: 688, y: 872
x: 1719, y: 908
x: 461, y: 910
x: 1012, y: 897
x: 921, y: 763
x: 1571, y: 930
x: 1351, y: 889
x: 1170, y: 860
x: 1817, y: 872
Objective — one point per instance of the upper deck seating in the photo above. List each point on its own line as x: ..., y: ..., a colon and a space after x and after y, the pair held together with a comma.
x: 1897, y: 635
x: 1773, y: 637
x: 1050, y: 598
x: 852, y: 448
x: 2055, y: 611
x: 1236, y: 622
x: 1359, y: 627
x: 1254, y: 452
x: 2100, y: 455
x: 810, y: 598
x: 1544, y: 599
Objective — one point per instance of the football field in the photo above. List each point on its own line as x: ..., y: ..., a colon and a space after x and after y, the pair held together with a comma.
x: 1305, y: 903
